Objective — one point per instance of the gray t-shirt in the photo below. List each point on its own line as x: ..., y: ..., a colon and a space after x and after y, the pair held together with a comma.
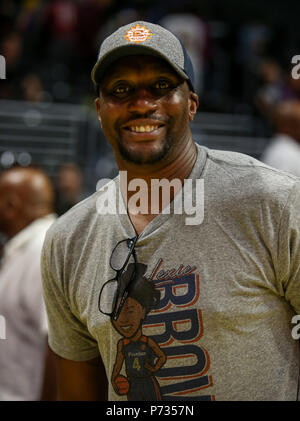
x: 228, y: 287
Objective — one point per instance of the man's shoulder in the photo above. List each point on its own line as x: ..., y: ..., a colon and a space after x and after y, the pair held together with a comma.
x: 240, y: 164
x: 234, y: 159
x: 249, y: 175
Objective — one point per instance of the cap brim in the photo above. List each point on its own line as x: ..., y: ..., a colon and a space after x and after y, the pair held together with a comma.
x: 129, y: 50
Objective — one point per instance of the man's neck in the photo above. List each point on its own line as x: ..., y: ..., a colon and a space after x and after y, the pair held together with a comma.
x: 177, y: 167
x: 177, y: 170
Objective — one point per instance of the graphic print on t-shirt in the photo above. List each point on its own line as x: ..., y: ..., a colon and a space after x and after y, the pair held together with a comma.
x: 141, y: 354
x: 160, y: 327
x: 177, y: 326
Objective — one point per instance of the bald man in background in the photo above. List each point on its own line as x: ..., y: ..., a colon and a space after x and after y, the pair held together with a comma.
x: 26, y: 213
x: 283, y: 152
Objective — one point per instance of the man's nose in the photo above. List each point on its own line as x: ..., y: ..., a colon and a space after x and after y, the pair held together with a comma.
x: 142, y: 101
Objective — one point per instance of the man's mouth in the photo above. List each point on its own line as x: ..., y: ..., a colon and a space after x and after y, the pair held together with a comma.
x: 143, y: 125
x: 143, y: 129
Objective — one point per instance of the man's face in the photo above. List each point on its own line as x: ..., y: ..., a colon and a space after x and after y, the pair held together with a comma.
x: 145, y: 109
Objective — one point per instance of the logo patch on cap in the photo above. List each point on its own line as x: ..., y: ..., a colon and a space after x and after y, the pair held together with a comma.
x: 138, y: 34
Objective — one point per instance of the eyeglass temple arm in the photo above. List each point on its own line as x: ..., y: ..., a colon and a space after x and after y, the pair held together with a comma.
x: 122, y: 302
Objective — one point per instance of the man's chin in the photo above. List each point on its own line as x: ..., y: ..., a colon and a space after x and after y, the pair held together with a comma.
x: 144, y: 157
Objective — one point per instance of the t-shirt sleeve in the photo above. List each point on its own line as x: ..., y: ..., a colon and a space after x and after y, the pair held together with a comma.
x: 68, y: 336
x: 289, y: 249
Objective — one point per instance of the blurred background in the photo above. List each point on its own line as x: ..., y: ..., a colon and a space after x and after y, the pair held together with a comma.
x: 242, y: 53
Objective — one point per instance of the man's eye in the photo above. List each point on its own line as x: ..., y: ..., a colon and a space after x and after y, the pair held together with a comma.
x: 121, y: 90
x: 162, y: 84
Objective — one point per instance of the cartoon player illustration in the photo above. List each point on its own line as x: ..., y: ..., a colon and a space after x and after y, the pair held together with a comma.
x: 142, y: 356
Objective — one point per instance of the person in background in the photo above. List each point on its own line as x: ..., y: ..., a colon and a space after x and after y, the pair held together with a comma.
x: 68, y: 187
x: 193, y: 32
x: 278, y: 86
x: 283, y: 152
x: 2, y: 242
x: 11, y: 47
x: 26, y: 213
x: 33, y: 88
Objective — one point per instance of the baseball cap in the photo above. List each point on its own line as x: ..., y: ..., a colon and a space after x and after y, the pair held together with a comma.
x: 148, y: 39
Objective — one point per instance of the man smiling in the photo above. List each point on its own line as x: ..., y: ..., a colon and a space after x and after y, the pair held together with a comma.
x: 228, y: 287
x: 144, y: 130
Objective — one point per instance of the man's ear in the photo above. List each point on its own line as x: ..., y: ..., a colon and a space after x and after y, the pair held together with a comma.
x: 193, y: 105
x: 98, y: 108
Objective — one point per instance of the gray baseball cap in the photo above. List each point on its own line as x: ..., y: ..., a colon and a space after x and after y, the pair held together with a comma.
x: 148, y: 39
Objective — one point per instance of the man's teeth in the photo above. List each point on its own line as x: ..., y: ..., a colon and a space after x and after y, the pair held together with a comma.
x: 142, y: 129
